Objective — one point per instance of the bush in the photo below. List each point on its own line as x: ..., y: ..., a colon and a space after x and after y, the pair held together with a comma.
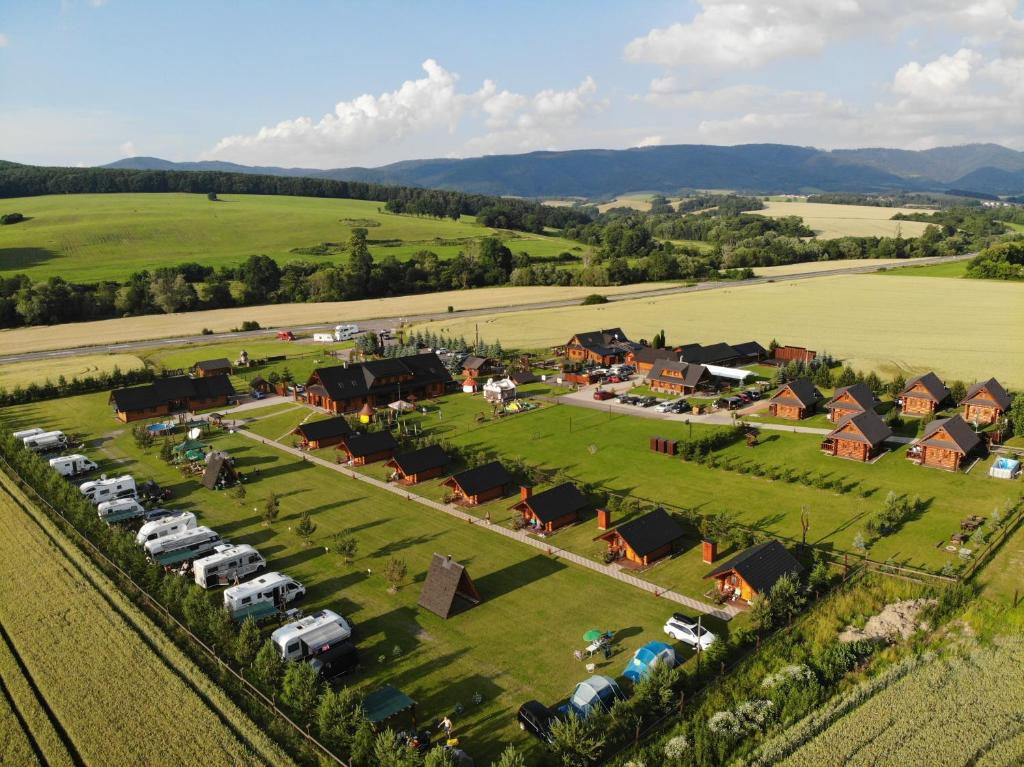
x: 594, y: 298
x: 206, y: 332
x: 11, y: 218
x: 250, y: 325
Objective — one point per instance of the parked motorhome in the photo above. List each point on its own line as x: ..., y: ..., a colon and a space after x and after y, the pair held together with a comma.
x: 175, y: 522
x: 25, y: 433
x: 120, y: 510
x: 98, y: 490
x: 311, y: 635
x: 228, y: 564
x: 48, y: 440
x: 345, y: 332
x: 182, y: 547
x: 72, y: 465
x: 262, y: 596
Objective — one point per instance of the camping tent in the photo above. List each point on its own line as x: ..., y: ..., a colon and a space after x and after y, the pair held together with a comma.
x: 647, y: 657
x: 402, y: 406
x: 598, y: 692
x: 446, y: 580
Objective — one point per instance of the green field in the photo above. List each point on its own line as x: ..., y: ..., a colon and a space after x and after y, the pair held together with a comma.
x: 88, y: 237
x: 954, y: 269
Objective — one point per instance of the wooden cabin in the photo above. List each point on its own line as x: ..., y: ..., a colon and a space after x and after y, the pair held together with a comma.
x: 646, y: 357
x: 207, y: 368
x: 475, y: 486
x: 447, y: 588
x: 261, y: 385
x: 850, y: 400
x: 678, y: 377
x: 859, y: 436
x: 923, y: 395
x: 371, y: 447
x: 175, y: 394
x: 349, y: 388
x: 985, y: 402
x: 474, y: 367
x: 946, y: 444
x: 719, y: 353
x: 601, y: 347
x: 749, y: 353
x: 416, y: 466
x: 219, y: 472
x: 644, y: 541
x: 795, y: 400
x: 314, y: 435
x: 554, y: 508
x: 754, y: 571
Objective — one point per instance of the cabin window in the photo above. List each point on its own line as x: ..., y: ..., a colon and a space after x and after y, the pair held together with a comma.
x: 292, y: 648
x: 246, y: 600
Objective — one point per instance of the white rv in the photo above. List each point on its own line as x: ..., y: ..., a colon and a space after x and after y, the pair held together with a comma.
x: 48, y: 440
x: 323, y: 338
x: 310, y: 635
x: 103, y: 489
x: 72, y: 465
x: 261, y: 596
x: 227, y: 564
x: 169, y: 525
x: 21, y: 435
x: 120, y: 510
x: 345, y: 332
x: 182, y: 547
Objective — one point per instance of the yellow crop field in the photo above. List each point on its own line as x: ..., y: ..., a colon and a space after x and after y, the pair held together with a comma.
x: 875, y: 323
x: 832, y: 221
x: 25, y: 373
x: 786, y: 270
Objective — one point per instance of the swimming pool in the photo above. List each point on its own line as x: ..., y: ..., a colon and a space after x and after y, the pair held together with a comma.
x: 1004, y: 468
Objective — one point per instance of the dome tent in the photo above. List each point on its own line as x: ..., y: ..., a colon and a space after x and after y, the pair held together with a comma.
x: 647, y: 657
x: 597, y: 692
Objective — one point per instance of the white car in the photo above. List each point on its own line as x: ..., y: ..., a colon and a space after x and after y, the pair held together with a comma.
x: 686, y: 630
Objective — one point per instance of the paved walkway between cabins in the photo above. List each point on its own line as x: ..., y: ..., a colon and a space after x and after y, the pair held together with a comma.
x: 725, y: 612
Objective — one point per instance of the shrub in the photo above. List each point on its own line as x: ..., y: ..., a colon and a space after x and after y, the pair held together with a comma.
x: 250, y: 325
x: 594, y: 298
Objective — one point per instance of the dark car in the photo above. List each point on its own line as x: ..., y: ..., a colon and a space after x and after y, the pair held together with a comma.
x: 627, y: 399
x: 536, y: 718
x: 754, y: 394
x: 744, y: 396
x: 335, y: 660
x: 648, y: 401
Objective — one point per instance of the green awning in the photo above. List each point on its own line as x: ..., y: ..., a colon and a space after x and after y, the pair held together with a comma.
x: 189, y: 444
x: 382, y: 704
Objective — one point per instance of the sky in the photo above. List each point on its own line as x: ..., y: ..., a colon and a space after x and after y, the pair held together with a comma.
x: 337, y: 84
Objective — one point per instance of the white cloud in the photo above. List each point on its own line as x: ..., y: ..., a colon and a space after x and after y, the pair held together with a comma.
x: 127, y: 149
x: 649, y: 141
x: 938, y: 78
x: 4, y: 40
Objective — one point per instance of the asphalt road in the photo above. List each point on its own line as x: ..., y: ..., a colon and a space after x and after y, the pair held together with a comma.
x: 390, y: 322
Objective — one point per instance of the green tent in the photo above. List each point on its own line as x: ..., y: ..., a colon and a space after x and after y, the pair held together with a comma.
x: 386, y: 702
x: 188, y: 446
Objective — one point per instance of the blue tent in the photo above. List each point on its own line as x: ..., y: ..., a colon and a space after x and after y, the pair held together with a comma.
x: 647, y: 657
x: 596, y: 692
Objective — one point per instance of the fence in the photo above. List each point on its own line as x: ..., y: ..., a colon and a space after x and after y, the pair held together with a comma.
x: 166, y: 616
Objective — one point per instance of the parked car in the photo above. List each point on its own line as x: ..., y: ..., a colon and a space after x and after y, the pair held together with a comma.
x: 614, y: 379
x: 648, y: 401
x: 602, y: 395
x: 744, y: 396
x: 627, y: 399
x: 687, y: 630
x: 681, y: 406
x: 754, y: 394
x: 536, y: 718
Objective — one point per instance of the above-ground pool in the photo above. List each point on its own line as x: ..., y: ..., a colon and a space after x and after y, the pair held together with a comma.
x: 160, y: 428
x: 1004, y: 468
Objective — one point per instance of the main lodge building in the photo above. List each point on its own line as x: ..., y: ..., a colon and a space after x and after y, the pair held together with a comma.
x: 345, y: 389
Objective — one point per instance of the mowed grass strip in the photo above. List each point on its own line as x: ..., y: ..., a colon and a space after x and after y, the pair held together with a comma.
x: 961, y: 330
x: 832, y: 221
x: 53, y: 609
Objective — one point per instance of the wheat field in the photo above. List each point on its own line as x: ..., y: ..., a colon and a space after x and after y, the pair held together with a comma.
x: 832, y: 221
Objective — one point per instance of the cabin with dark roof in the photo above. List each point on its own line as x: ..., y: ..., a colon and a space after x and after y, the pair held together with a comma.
x: 795, y: 400
x: 323, y: 433
x: 261, y: 385
x: 678, y: 377
x: 218, y: 367
x: 850, y: 400
x: 946, y: 444
x: 749, y: 352
x: 642, y: 542
x: 601, y: 347
x: 714, y: 354
x: 754, y: 571
x: 418, y: 465
x: 985, y: 402
x: 858, y: 436
x: 475, y: 486
x: 447, y: 587
x: 371, y: 447
x: 171, y: 395
x: 474, y: 367
x: 552, y: 509
x: 220, y: 471
x: 923, y: 395
x: 644, y: 358
x: 347, y: 389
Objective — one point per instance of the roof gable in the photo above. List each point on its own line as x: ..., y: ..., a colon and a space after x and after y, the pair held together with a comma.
x: 325, y: 428
x: 950, y: 434
x: 217, y: 364
x: 995, y: 394
x: 865, y: 426
x: 761, y: 566
x: 859, y: 396
x: 360, y: 445
x: 801, y: 391
x: 927, y: 386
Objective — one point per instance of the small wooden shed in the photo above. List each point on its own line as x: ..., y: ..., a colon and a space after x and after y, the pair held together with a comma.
x: 218, y: 367
x: 323, y: 433
x: 556, y: 507
x: 859, y: 436
x: 374, y: 446
x: 419, y: 465
x: 645, y: 540
x: 447, y: 583
x: 479, y: 485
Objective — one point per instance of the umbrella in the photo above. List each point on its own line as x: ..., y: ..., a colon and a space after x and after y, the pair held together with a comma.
x: 592, y: 635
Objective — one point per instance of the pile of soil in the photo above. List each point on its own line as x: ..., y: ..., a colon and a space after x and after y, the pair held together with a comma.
x: 896, y: 621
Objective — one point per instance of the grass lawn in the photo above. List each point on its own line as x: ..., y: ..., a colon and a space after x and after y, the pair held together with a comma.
x: 39, y: 371
x: 516, y: 645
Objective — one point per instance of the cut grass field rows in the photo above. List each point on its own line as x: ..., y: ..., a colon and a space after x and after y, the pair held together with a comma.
x: 832, y: 221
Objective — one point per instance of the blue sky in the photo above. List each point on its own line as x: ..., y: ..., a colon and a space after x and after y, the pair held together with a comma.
x: 328, y: 84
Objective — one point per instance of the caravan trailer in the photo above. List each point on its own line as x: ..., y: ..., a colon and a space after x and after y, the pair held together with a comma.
x: 311, y: 635
x: 103, y: 489
x: 72, y: 465
x: 175, y: 522
x: 262, y: 596
x: 323, y: 338
x: 25, y: 433
x: 182, y: 547
x: 48, y: 440
x: 120, y: 510
x: 227, y: 564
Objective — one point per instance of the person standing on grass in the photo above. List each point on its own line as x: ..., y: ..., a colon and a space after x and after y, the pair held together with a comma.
x: 446, y: 725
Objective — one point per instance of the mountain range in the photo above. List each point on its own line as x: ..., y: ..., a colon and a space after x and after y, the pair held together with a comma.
x: 603, y: 173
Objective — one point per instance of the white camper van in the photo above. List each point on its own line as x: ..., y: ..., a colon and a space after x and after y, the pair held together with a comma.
x: 48, y: 440
x: 103, y: 489
x: 182, y: 547
x: 227, y: 564
x: 262, y: 596
x: 72, y: 465
x: 345, y: 332
x: 323, y: 338
x: 169, y: 525
x: 21, y: 435
x: 310, y: 635
x: 120, y: 510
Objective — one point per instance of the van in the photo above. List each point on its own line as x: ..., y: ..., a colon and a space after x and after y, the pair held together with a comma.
x: 175, y: 522
x: 227, y: 564
x: 72, y: 465
x: 48, y: 440
x: 182, y: 547
x: 262, y: 596
x: 323, y: 338
x: 311, y: 635
x: 24, y: 433
x: 120, y: 510
x: 345, y: 332
x: 103, y: 489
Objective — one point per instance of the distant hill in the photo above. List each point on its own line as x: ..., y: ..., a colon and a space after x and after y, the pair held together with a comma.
x: 601, y: 173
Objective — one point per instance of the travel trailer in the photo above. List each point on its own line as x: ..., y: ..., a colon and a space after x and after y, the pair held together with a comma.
x: 103, y: 489
x: 72, y: 465
x: 174, y: 522
x: 323, y: 338
x: 311, y: 635
x: 262, y: 597
x: 227, y: 564
x: 120, y: 510
x: 48, y: 440
x: 24, y: 433
x: 182, y: 547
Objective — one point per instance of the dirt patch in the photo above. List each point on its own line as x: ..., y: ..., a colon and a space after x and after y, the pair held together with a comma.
x: 898, y: 620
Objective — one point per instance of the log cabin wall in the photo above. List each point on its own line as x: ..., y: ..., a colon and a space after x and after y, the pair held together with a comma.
x: 846, y: 448
x: 942, y: 458
x: 983, y: 414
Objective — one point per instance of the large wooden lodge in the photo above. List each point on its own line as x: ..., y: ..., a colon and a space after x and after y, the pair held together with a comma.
x: 175, y: 394
x: 348, y: 388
